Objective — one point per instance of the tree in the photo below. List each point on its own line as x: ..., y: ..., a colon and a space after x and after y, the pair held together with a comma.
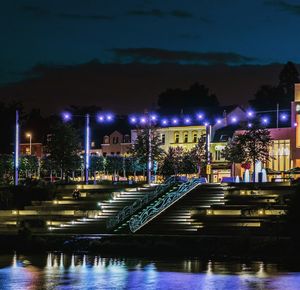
x: 171, y: 164
x: 282, y: 93
x: 287, y: 79
x: 28, y: 165
x: 63, y: 148
x: 140, y: 148
x: 176, y: 101
x: 199, y: 154
x: 251, y: 146
x: 6, y: 167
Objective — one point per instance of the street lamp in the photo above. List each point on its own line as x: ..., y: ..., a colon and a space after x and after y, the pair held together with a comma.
x: 87, y: 136
x: 17, y: 149
x: 28, y: 135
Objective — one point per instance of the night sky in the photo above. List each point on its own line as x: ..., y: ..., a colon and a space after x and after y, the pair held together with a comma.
x: 121, y: 54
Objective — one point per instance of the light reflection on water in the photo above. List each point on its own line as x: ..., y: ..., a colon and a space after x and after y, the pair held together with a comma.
x: 60, y: 271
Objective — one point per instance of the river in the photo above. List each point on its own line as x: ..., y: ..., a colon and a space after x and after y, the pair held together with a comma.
x: 61, y: 271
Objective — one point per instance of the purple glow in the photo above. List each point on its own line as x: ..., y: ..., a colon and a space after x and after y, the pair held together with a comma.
x: 164, y: 122
x: 100, y: 118
x: 143, y: 120
x: 109, y: 117
x: 206, y: 124
x: 249, y: 125
x: 133, y: 120
x: 187, y: 120
x: 283, y: 117
x: 66, y: 116
x: 265, y: 120
x: 295, y: 124
x: 200, y: 116
x: 174, y: 121
x: 234, y: 119
x: 219, y: 121
x: 250, y: 114
x: 153, y: 118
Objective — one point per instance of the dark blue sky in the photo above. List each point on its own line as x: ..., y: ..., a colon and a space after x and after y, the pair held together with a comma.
x: 191, y: 32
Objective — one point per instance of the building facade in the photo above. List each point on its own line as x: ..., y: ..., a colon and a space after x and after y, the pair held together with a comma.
x: 116, y: 144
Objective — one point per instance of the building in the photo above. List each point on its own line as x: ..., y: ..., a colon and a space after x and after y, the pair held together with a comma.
x: 34, y: 149
x: 182, y: 136
x: 116, y: 143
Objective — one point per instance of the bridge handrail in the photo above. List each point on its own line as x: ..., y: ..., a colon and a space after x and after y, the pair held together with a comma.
x: 138, y: 221
x: 127, y: 211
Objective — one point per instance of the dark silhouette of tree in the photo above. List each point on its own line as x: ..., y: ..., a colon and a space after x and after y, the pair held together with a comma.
x: 63, y: 148
x: 196, y: 97
x: 198, y: 154
x: 282, y: 93
x: 287, y: 78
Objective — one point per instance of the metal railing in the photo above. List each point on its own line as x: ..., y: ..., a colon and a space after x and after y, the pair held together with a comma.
x: 138, y: 221
x: 127, y: 211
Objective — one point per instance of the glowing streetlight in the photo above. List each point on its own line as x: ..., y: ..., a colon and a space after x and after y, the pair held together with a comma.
x: 29, y: 135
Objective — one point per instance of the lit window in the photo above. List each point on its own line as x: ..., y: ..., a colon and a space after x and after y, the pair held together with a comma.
x: 195, y: 138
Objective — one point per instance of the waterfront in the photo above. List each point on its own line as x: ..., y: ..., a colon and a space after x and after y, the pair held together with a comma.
x: 60, y: 271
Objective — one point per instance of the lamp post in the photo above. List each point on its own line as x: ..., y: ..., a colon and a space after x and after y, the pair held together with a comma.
x: 28, y: 135
x: 87, y: 148
x: 87, y: 136
x: 17, y: 148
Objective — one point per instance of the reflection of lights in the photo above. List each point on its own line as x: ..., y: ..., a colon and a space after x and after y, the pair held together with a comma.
x: 260, y: 212
x: 55, y: 201
x: 14, y: 212
x: 209, y: 211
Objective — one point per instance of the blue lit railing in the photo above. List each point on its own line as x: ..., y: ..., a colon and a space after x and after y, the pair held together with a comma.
x: 138, y: 221
x: 127, y: 211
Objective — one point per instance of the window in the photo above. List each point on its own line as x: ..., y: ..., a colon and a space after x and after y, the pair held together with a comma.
x: 185, y: 137
x: 115, y: 140
x: 93, y: 144
x: 118, y: 153
x: 126, y: 138
x: 163, y: 139
x: 106, y: 140
x: 112, y: 153
x: 195, y: 137
x: 176, y: 137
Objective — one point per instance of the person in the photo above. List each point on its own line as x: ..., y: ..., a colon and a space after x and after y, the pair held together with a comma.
x: 76, y: 194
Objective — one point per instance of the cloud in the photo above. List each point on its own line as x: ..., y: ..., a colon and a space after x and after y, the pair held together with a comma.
x: 35, y: 10
x: 285, y: 6
x: 39, y: 11
x: 159, y: 13
x: 155, y: 55
x: 89, y: 16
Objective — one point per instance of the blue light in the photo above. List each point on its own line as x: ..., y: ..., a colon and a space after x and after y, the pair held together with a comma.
x: 200, y: 116
x: 206, y: 124
x: 66, y: 116
x: 175, y: 121
x: 234, y: 119
x: 153, y: 117
x: 187, y: 120
x: 100, y: 118
x: 109, y: 117
x: 295, y: 124
x: 164, y: 122
x: 283, y: 117
x: 133, y: 120
x: 143, y: 120
x: 249, y: 125
x: 218, y: 121
x: 265, y: 120
x: 250, y: 114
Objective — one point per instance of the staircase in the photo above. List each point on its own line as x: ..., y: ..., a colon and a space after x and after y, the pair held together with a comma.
x: 173, y: 213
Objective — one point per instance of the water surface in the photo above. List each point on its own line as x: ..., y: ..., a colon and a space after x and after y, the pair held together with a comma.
x: 59, y: 271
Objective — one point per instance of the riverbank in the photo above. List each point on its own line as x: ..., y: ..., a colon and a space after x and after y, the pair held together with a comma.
x: 266, y: 248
